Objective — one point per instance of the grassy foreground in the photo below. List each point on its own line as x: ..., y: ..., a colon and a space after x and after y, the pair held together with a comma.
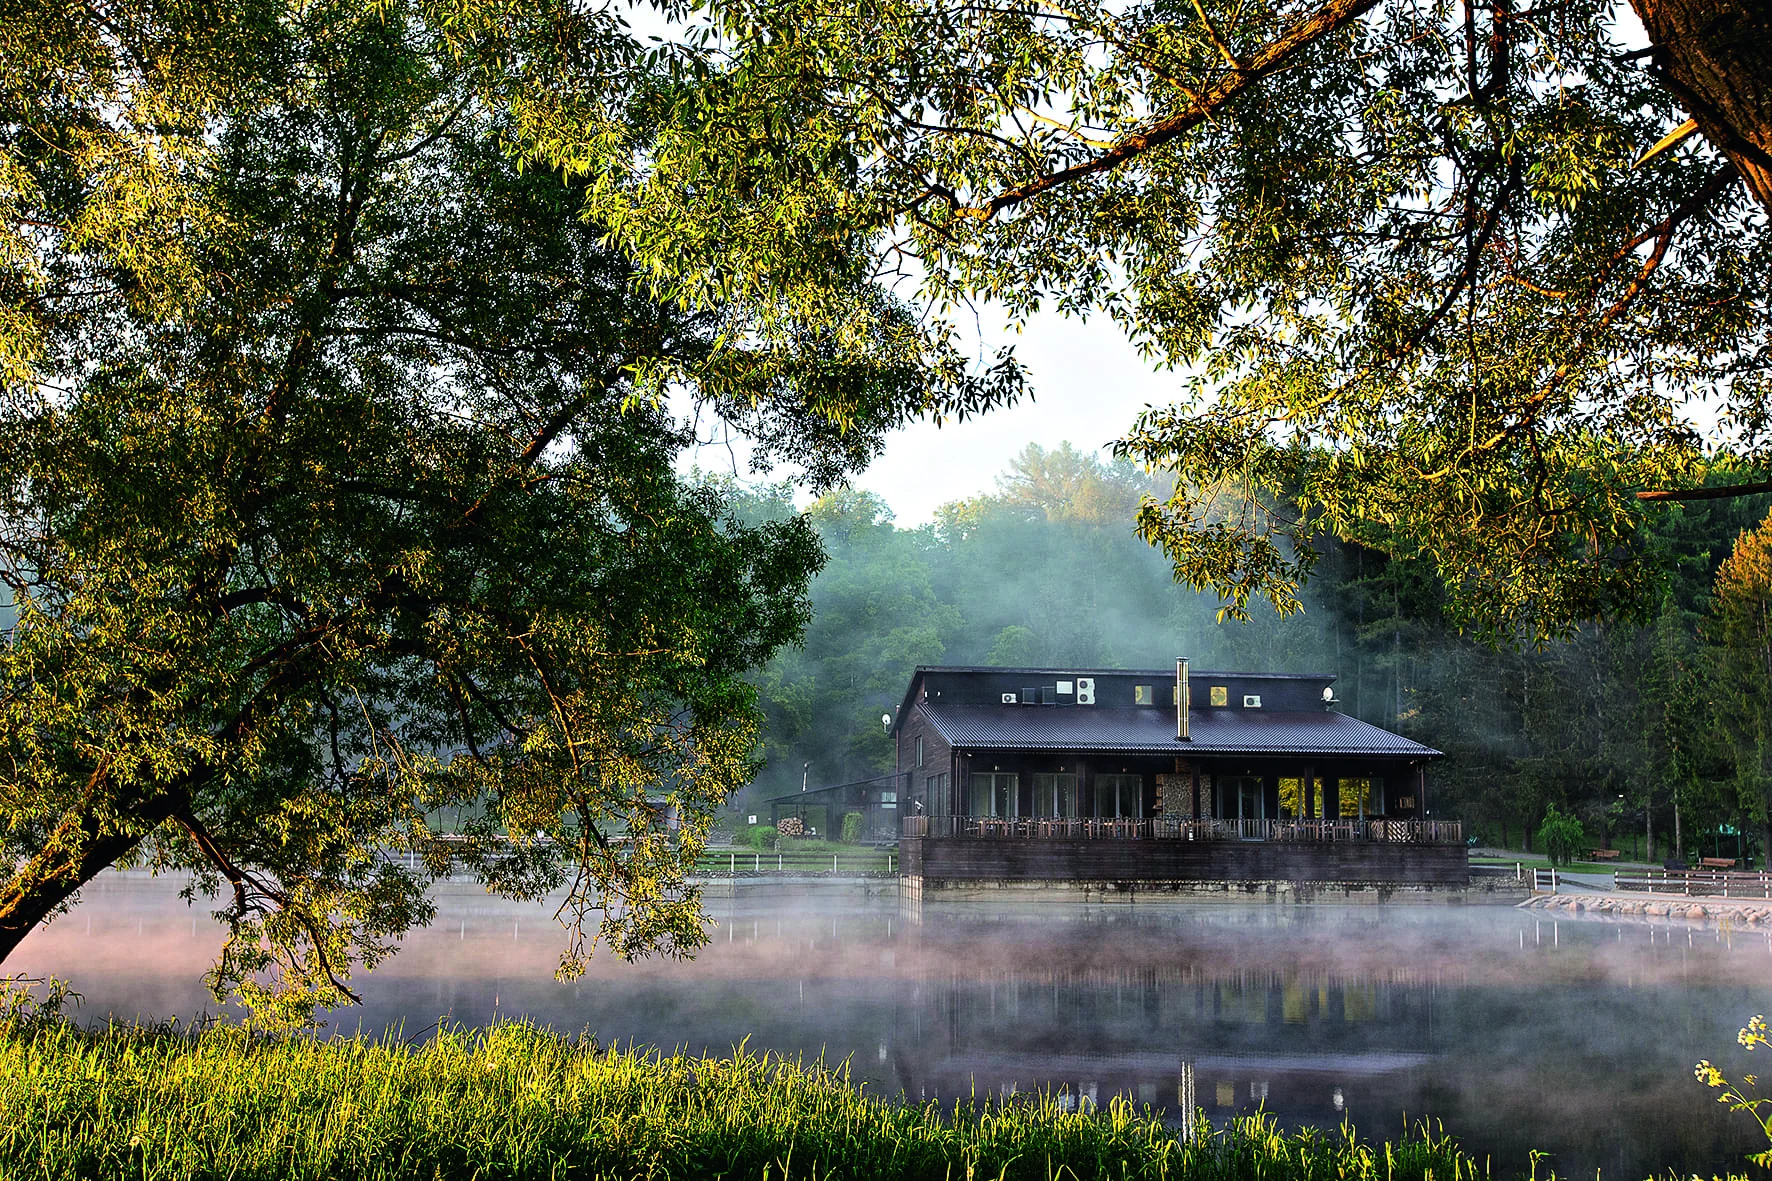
x: 515, y: 1101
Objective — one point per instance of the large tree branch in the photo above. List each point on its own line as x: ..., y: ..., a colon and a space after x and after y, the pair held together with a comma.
x: 563, y: 417
x: 1269, y: 59
x: 1724, y: 492
x: 244, y: 881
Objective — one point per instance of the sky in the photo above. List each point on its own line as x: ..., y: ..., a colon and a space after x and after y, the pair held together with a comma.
x: 1089, y: 385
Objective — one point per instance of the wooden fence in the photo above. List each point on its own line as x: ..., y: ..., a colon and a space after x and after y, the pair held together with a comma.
x: 1710, y: 883
x: 850, y: 862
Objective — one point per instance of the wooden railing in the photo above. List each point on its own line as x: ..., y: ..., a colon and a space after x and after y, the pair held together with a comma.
x: 1404, y: 832
x: 1710, y: 883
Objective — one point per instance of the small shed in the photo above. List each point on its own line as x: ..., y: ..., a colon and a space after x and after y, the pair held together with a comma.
x: 821, y: 810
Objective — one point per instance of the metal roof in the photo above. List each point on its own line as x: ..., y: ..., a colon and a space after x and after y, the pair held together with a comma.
x: 1214, y: 731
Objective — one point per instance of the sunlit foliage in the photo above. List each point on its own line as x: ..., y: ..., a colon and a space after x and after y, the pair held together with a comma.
x: 1425, y: 299
x: 340, y: 495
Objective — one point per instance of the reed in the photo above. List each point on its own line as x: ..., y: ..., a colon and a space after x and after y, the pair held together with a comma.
x: 516, y: 1101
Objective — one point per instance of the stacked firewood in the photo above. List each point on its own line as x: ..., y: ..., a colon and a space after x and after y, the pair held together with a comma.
x: 791, y: 826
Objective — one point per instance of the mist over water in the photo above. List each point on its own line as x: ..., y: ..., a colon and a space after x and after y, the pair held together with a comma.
x: 1514, y: 1032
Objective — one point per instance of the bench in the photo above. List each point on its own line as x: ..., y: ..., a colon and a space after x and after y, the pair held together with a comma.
x: 1602, y: 854
x: 1717, y: 862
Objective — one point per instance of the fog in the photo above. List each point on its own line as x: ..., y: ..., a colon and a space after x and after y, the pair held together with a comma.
x: 1512, y: 1031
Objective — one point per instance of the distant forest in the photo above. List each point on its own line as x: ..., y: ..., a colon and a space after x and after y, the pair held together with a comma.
x: 1622, y: 722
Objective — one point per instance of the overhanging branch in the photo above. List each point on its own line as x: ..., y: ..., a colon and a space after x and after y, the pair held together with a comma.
x: 1269, y: 59
x: 1724, y: 492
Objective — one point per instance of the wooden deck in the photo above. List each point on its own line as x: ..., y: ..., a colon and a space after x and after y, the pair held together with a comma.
x: 1349, y: 830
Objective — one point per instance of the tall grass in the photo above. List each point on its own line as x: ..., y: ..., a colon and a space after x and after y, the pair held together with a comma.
x: 515, y: 1101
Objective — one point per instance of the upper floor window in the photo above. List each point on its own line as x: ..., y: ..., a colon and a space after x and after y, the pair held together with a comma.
x: 919, y: 750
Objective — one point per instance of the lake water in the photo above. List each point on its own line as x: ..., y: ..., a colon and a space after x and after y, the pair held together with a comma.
x: 1515, y: 1033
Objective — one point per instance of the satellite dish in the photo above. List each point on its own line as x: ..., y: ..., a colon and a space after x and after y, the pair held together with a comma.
x: 886, y: 721
x: 1328, y: 695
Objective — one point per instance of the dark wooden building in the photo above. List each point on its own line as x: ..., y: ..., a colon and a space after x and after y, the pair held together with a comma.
x: 1108, y: 775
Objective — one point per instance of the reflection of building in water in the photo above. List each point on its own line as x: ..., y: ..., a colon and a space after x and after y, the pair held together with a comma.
x: 1308, y: 1045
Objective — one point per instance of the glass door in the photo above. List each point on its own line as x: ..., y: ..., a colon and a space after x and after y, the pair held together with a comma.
x: 1055, y: 795
x: 1251, y: 799
x: 993, y: 794
x: 1119, y: 796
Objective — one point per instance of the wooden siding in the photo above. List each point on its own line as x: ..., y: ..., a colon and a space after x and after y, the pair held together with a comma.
x: 973, y: 860
x: 938, y: 759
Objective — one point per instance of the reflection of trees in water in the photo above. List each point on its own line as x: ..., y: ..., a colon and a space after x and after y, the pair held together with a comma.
x: 1518, y: 1033
x: 1574, y: 1041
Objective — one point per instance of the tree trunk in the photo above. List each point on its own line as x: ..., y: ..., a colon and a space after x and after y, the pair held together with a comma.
x: 1765, y: 831
x: 77, y: 851
x: 1716, y: 56
x: 1679, y: 837
x: 1649, y: 826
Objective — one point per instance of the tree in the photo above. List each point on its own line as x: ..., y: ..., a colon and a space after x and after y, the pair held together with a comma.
x: 1448, y: 284
x: 340, y: 494
x: 1065, y: 484
x: 875, y: 619
x: 1562, y: 836
x: 1741, y: 614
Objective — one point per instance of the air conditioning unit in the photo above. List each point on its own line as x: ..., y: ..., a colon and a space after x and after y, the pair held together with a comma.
x: 1008, y: 699
x: 1085, y: 690
x: 1251, y: 701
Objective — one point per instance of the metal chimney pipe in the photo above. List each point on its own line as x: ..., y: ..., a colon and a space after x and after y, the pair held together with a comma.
x: 1181, y: 700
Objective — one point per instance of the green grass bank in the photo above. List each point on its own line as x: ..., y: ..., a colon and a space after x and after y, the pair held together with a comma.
x: 515, y: 1101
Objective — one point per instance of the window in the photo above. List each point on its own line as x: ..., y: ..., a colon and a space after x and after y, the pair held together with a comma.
x: 889, y: 799
x: 1055, y: 795
x: 1291, y: 797
x: 1142, y: 695
x: 1356, y: 797
x: 919, y: 750
x: 935, y: 795
x: 1296, y: 803
x: 1221, y: 695
x: 993, y: 793
x: 1119, y: 796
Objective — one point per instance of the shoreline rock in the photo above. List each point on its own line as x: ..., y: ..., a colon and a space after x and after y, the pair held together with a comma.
x: 1755, y: 912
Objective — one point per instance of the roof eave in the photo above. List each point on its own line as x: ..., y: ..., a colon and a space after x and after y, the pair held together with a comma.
x: 1426, y: 752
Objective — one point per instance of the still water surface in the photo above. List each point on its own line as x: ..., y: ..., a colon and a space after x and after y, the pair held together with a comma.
x: 1575, y: 1039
